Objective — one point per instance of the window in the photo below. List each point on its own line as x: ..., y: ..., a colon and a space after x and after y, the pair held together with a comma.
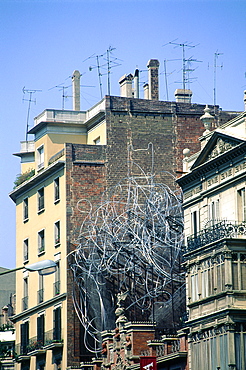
x: 41, y: 289
x: 25, y: 295
x: 25, y: 250
x: 57, y: 324
x: 241, y: 205
x: 40, y: 330
x: 214, y: 212
x: 194, y: 222
x: 40, y: 199
x: 57, y: 233
x: 97, y: 141
x: 41, y: 243
x: 40, y: 157
x: 57, y: 280
x: 24, y: 337
x: 56, y: 190
x: 25, y: 209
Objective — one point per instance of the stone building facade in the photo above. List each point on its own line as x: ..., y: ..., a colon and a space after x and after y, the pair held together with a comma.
x: 215, y: 227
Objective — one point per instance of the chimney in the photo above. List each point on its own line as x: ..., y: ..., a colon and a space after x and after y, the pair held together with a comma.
x: 244, y: 100
x: 126, y: 85
x: 183, y: 96
x: 76, y: 90
x: 146, y: 91
x: 153, y: 66
x: 136, y: 84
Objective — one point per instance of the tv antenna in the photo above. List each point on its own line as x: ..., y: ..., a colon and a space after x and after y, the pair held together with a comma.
x: 185, y: 62
x: 109, y: 64
x: 30, y: 92
x: 216, y: 55
x: 167, y: 74
x: 64, y: 96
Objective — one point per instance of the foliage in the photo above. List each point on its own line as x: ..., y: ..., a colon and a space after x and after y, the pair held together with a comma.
x: 21, y: 177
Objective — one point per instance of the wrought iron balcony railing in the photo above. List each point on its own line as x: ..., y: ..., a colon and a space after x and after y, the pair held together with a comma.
x: 33, y: 344
x: 217, y: 231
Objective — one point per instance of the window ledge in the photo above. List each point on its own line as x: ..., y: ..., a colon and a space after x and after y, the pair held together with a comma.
x: 41, y: 211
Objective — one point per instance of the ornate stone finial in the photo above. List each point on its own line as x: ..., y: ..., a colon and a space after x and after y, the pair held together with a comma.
x: 186, y: 152
x: 207, y: 119
x: 119, y: 312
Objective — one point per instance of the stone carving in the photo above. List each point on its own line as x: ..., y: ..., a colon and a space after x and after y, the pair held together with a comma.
x: 221, y: 147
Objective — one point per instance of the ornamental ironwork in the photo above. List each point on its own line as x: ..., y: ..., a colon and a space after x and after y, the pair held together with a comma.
x: 220, y: 230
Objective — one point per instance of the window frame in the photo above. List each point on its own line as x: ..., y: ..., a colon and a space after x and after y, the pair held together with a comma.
x: 57, y: 233
x: 40, y: 157
x: 41, y: 241
x: 241, y: 204
x: 56, y: 190
x: 26, y: 250
x: 25, y: 210
x: 40, y: 199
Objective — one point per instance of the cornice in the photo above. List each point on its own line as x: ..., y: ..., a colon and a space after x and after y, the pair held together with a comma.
x: 213, y: 164
x: 36, y: 179
x: 35, y: 309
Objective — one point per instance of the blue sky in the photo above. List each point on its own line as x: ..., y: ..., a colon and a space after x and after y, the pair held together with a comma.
x: 43, y: 42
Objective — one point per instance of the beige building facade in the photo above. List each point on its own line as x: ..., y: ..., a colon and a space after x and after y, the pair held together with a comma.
x: 215, y: 260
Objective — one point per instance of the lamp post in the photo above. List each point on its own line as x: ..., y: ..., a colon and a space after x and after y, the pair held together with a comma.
x: 45, y: 267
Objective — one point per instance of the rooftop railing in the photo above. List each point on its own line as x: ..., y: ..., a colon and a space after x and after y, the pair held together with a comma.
x: 217, y: 231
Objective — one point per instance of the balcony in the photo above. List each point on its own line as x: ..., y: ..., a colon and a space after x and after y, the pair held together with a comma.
x: 221, y: 229
x: 53, y: 339
x: 35, y: 346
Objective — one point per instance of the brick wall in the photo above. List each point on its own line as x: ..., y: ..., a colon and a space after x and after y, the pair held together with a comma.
x: 85, y: 179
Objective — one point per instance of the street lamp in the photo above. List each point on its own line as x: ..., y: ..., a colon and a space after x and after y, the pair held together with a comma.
x: 45, y: 267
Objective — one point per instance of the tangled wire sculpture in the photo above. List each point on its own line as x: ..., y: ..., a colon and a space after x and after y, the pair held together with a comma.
x: 130, y: 245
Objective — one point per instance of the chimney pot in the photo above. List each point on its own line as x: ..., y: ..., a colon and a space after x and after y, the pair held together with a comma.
x: 126, y: 85
x: 76, y: 90
x: 183, y: 96
x: 146, y: 91
x: 153, y: 66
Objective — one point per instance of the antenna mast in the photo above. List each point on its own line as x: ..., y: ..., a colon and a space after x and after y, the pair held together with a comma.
x: 185, y: 70
x: 216, y: 55
x: 30, y: 92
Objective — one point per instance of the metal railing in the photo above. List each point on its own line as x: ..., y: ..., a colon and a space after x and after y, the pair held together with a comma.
x: 217, y: 231
x: 34, y: 344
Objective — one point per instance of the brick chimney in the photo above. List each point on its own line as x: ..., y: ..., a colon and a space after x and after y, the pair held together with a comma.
x: 183, y: 96
x: 153, y: 66
x: 126, y: 85
x: 76, y: 90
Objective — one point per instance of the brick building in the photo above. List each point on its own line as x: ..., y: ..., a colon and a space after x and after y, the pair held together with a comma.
x: 79, y: 155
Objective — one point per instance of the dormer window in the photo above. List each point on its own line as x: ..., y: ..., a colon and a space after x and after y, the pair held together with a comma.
x: 40, y: 157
